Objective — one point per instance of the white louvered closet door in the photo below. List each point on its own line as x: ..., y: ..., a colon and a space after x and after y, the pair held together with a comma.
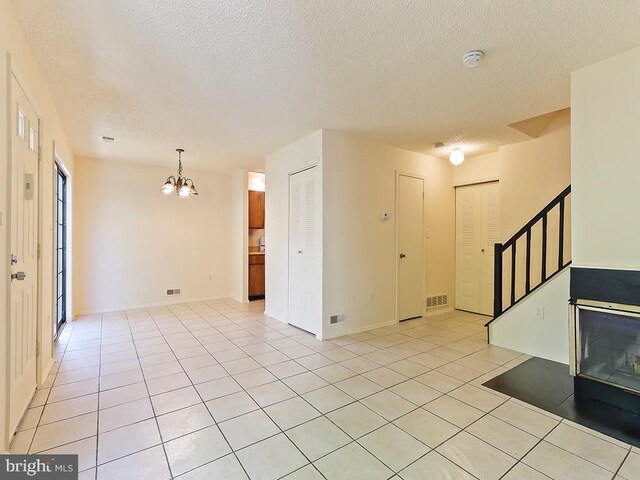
x: 304, y: 273
x: 477, y: 229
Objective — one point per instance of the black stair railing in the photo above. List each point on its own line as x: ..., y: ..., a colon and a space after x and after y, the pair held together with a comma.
x: 501, y: 248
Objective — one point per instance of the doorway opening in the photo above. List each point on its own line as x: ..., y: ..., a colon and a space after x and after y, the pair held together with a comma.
x: 61, y: 252
x: 257, y: 246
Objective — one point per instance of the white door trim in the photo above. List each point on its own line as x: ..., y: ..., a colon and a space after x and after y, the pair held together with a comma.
x: 400, y: 173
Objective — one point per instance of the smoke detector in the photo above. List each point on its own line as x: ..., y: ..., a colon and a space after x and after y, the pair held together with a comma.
x: 472, y: 58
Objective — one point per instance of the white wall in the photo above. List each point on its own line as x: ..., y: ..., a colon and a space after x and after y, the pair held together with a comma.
x: 303, y: 153
x: 133, y: 242
x: 520, y: 330
x: 359, y: 247
x: 605, y: 168
x: 13, y: 43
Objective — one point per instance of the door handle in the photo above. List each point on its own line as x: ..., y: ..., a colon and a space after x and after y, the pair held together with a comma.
x: 402, y: 255
x: 18, y: 276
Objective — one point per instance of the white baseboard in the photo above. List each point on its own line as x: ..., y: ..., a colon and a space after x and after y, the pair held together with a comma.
x: 46, y: 370
x: 363, y: 328
x: 147, y: 305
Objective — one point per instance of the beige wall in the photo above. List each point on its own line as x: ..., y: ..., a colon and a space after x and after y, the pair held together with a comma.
x: 13, y: 43
x: 132, y: 243
x: 298, y: 155
x: 605, y: 166
x: 478, y: 169
x: 532, y: 173
x: 239, y: 274
x: 359, y: 248
x: 358, y: 180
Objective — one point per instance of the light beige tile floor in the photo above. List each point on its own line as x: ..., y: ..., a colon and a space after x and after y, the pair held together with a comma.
x: 217, y: 390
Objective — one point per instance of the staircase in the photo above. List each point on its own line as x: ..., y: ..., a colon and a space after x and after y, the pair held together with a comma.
x: 546, y: 253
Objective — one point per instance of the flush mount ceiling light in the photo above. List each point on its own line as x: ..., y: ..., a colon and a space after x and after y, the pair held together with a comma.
x: 179, y: 185
x: 456, y: 157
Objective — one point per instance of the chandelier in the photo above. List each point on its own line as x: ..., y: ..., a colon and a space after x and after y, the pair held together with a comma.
x: 179, y: 185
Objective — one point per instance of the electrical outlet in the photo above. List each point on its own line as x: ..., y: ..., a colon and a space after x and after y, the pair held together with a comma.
x: 540, y: 312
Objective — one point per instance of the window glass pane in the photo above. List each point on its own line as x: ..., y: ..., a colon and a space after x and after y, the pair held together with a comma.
x: 32, y: 139
x: 21, y: 123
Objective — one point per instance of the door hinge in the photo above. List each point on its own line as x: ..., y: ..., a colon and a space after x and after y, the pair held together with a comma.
x: 38, y: 251
x: 37, y: 348
x: 39, y: 154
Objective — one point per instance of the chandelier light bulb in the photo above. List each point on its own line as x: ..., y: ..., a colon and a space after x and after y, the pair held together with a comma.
x: 168, y: 187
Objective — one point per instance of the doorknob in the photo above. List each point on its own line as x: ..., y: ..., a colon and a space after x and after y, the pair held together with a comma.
x: 18, y: 276
x: 402, y: 255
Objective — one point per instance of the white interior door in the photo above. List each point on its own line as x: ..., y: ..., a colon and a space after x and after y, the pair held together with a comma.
x: 410, y: 246
x: 477, y: 230
x: 304, y: 255
x: 24, y: 254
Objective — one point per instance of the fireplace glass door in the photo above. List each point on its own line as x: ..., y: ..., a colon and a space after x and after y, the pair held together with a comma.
x: 609, y: 346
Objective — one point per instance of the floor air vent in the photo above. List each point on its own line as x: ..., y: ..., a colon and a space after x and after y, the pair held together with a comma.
x: 437, y: 301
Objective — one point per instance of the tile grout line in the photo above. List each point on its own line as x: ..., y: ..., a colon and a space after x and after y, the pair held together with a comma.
x: 203, y: 402
x: 244, y: 324
x: 155, y: 417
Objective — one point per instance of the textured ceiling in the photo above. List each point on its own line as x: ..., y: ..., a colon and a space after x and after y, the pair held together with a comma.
x: 231, y: 81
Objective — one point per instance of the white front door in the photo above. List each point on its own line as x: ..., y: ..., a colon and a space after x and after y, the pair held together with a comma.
x: 410, y: 246
x: 304, y: 255
x: 24, y: 255
x: 477, y: 230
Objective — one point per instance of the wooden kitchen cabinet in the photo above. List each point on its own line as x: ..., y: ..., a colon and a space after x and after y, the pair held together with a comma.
x: 256, y: 277
x: 256, y: 209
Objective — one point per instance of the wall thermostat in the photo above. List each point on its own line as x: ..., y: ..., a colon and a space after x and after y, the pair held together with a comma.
x: 385, y: 216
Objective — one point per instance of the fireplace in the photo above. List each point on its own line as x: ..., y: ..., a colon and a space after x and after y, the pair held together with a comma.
x: 605, y: 336
x: 607, y: 344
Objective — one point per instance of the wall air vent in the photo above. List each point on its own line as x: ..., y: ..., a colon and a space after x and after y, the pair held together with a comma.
x: 108, y: 139
x: 333, y: 319
x: 437, y: 301
x: 173, y: 291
